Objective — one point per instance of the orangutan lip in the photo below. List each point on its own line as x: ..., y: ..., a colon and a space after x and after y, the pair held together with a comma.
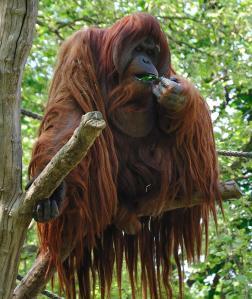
x: 147, y: 78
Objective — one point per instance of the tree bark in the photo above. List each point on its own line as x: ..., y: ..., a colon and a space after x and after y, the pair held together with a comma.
x: 17, y: 23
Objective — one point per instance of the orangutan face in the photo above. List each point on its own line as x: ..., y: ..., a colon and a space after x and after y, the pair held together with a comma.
x: 144, y: 59
x: 138, y: 59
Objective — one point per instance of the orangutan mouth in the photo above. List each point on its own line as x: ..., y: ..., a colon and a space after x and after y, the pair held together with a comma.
x: 147, y: 78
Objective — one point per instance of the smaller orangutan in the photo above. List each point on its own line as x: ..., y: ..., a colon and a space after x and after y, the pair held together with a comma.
x: 158, y: 147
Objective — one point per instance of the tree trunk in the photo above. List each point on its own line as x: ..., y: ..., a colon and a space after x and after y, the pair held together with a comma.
x: 17, y: 23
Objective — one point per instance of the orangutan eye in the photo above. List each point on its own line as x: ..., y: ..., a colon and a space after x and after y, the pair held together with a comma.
x: 150, y: 52
x: 139, y: 49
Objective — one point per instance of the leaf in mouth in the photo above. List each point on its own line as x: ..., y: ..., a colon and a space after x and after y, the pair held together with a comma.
x: 146, y: 77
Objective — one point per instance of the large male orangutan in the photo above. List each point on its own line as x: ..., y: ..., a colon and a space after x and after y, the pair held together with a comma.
x: 158, y: 144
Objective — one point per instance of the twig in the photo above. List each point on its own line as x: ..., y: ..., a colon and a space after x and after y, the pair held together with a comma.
x: 31, y: 114
x: 247, y: 155
x: 190, y: 46
x: 188, y: 18
x: 56, y: 31
x: 73, y: 22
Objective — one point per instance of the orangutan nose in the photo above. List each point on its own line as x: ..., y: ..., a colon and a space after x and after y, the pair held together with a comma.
x: 146, y: 60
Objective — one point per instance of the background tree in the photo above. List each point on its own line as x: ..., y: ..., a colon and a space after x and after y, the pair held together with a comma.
x: 17, y: 21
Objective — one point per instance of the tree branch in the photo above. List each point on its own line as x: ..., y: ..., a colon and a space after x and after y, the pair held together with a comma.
x: 31, y: 114
x: 190, y: 46
x: 240, y: 154
x: 183, y: 18
x: 228, y: 190
x: 47, y: 293
x: 56, y: 31
x: 86, y: 19
x: 35, y: 280
x: 64, y: 161
x: 43, y: 186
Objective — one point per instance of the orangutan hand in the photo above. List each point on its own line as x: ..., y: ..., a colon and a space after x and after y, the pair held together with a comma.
x: 169, y: 93
x: 49, y: 208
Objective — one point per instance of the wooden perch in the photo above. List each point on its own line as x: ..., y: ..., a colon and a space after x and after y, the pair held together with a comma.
x: 64, y: 161
x: 228, y: 190
x: 36, y: 278
x: 34, y: 281
x: 43, y: 186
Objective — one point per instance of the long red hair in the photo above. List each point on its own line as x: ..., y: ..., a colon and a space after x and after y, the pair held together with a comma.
x: 86, y: 79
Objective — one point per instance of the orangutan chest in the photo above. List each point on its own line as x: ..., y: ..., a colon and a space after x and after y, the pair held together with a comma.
x: 139, y: 175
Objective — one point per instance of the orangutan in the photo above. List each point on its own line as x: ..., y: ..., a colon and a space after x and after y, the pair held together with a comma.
x: 158, y: 144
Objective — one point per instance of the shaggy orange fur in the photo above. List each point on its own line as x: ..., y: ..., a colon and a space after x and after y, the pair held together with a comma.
x: 177, y: 158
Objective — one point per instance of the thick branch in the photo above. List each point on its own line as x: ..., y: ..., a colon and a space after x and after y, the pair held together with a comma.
x: 61, y: 164
x: 228, y: 190
x: 47, y: 293
x: 64, y: 161
x: 35, y: 280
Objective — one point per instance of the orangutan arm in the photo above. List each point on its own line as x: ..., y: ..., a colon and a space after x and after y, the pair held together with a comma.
x: 177, y: 104
x: 59, y: 122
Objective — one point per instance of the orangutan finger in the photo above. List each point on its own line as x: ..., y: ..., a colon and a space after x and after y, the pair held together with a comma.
x: 38, y: 214
x: 54, y: 209
x: 176, y: 87
x: 47, y: 210
x: 156, y: 90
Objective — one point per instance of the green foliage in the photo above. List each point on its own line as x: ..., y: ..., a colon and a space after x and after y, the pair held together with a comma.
x: 211, y: 43
x: 226, y: 272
